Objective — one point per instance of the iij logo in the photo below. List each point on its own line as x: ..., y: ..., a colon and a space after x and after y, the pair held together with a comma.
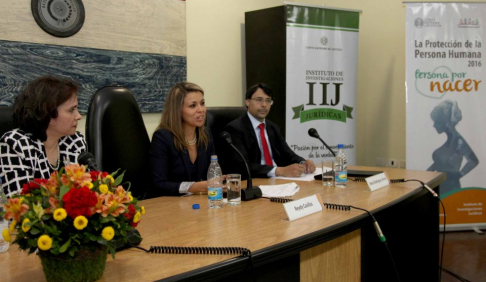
x: 323, y: 113
x: 440, y: 81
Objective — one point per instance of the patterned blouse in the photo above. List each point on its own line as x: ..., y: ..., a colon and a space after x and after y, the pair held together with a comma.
x: 22, y: 158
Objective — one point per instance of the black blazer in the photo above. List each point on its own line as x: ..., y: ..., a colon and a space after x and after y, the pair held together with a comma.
x: 171, y: 167
x: 244, y: 138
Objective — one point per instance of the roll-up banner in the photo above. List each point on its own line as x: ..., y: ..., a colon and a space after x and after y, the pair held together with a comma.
x: 446, y: 102
x: 322, y: 58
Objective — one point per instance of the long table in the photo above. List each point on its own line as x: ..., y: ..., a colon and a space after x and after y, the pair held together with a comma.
x: 331, y: 245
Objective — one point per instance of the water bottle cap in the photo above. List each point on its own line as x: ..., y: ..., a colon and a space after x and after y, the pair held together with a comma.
x: 340, y: 146
x: 214, y: 157
x: 195, y: 206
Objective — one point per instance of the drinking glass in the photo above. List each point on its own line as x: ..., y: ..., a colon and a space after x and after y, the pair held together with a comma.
x: 233, y: 189
x: 328, y: 176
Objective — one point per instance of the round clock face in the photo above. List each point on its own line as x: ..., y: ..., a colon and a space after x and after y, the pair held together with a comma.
x: 61, y: 18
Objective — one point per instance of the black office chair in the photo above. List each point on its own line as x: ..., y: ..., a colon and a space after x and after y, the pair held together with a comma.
x: 117, y: 137
x: 6, y: 121
x: 217, y: 119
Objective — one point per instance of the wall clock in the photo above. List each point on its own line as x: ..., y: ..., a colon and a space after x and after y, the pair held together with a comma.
x: 61, y: 18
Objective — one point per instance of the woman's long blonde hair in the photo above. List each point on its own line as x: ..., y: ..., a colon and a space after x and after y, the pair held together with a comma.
x: 172, y: 115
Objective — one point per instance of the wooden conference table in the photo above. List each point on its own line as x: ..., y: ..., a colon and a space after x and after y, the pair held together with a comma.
x: 332, y: 245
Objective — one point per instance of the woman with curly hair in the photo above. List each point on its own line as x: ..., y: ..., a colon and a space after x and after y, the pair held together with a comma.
x: 46, y: 114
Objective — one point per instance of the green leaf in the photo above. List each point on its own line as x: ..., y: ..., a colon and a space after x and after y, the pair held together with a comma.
x: 65, y: 246
x: 119, y: 178
x: 64, y: 190
x: 73, y: 250
x: 92, y: 237
x: 112, y: 249
x: 55, y: 251
x: 102, y: 241
x: 34, y: 231
x: 107, y: 219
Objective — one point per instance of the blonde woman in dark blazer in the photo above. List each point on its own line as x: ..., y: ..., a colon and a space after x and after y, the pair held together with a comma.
x: 181, y: 146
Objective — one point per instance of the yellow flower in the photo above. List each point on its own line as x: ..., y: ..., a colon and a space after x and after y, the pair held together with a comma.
x: 26, y: 225
x: 6, y: 235
x: 108, y: 233
x: 142, y: 210
x: 130, y: 196
x: 60, y: 214
x: 88, y: 184
x: 103, y: 188
x: 12, y: 226
x: 109, y: 177
x: 80, y: 222
x: 136, y: 217
x: 44, y: 243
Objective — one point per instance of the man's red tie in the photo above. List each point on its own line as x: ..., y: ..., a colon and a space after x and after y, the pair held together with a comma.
x: 266, y: 151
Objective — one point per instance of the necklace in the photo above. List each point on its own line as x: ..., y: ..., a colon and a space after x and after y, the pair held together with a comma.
x: 192, y: 142
x: 58, y: 159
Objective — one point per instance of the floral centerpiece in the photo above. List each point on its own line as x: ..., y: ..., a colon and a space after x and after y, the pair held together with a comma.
x: 74, y: 215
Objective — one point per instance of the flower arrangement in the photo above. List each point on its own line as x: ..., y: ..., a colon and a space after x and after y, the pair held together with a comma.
x: 75, y: 209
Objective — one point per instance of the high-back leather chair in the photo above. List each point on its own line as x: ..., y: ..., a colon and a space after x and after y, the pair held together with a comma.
x: 117, y: 137
x: 6, y: 121
x: 217, y: 119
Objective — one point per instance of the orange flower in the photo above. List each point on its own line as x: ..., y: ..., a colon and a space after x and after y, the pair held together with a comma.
x: 113, y: 206
x: 54, y: 202
x: 15, y: 209
x: 76, y: 174
x: 52, y: 184
x: 98, y: 208
x: 122, y: 195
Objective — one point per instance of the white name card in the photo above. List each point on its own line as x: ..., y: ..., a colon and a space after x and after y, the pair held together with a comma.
x: 303, y: 207
x: 378, y: 181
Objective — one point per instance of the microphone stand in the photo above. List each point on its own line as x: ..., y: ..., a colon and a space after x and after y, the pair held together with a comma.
x: 251, y: 192
x: 332, y: 152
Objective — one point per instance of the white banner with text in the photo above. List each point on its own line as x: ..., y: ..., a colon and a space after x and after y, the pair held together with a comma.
x: 446, y: 96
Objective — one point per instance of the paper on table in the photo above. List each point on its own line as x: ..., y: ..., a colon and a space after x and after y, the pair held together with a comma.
x: 306, y: 176
x: 282, y: 190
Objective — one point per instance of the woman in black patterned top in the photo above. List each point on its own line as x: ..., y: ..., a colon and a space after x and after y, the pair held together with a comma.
x: 46, y: 114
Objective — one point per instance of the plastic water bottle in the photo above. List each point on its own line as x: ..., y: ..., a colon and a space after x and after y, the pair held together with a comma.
x: 340, y: 168
x: 215, y: 184
x: 3, y: 223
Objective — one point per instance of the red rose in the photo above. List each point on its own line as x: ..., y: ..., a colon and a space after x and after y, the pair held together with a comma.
x: 95, y: 174
x: 131, y: 212
x: 79, y: 201
x: 27, y: 188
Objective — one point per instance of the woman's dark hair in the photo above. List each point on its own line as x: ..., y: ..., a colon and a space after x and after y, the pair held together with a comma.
x: 37, y: 104
x: 263, y: 87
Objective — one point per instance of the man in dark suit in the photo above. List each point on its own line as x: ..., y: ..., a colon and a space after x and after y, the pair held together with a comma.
x: 260, y: 142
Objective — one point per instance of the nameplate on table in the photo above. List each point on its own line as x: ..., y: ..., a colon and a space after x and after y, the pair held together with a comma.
x: 378, y: 181
x: 303, y: 207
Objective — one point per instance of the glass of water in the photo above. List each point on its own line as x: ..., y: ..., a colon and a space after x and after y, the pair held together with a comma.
x: 328, y: 173
x: 233, y: 189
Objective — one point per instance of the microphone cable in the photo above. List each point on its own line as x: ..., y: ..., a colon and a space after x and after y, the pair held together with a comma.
x: 425, y: 186
x: 280, y: 200
x: 380, y: 234
x: 363, y: 179
x: 243, y: 252
x: 460, y: 278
